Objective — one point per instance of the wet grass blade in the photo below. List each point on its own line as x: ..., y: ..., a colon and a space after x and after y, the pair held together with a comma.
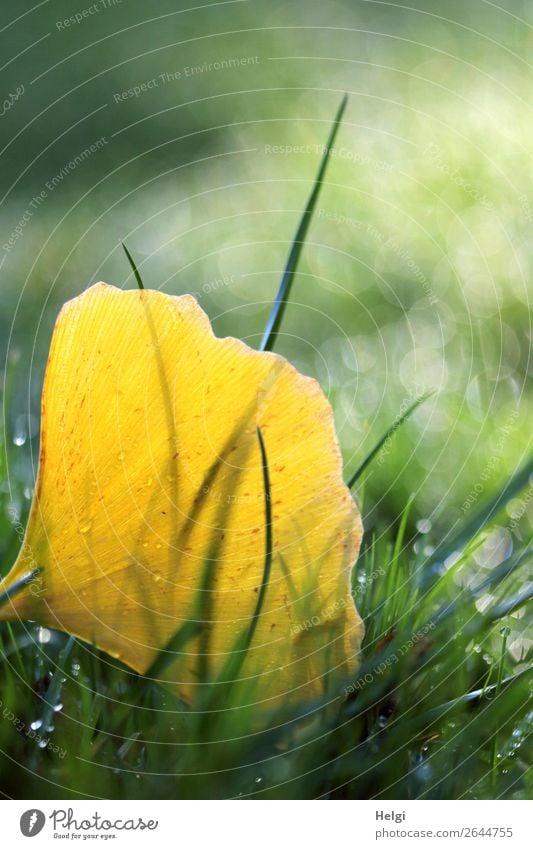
x: 268, y: 543
x: 19, y: 585
x: 220, y: 691
x: 133, y: 267
x: 505, y: 570
x: 487, y: 512
x: 185, y: 633
x: 278, y: 308
x: 509, y: 605
x: 474, y: 696
x: 52, y: 696
x: 389, y: 433
x: 232, y: 668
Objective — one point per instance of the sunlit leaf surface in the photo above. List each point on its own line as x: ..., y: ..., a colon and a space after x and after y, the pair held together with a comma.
x: 149, y: 509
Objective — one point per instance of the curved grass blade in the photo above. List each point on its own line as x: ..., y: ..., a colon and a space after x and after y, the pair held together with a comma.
x: 488, y: 511
x: 18, y: 586
x: 509, y: 605
x: 133, y: 267
x: 474, y: 696
x: 187, y: 632
x: 268, y: 543
x: 278, y: 308
x: 231, y: 670
x: 389, y: 433
x: 221, y: 689
x: 497, y: 576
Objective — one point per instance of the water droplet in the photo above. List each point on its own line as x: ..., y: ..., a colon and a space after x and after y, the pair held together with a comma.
x: 423, y: 526
x: 156, y: 577
x: 84, y: 529
x: 121, y: 456
x: 452, y: 560
x: 258, y: 780
x: 158, y: 545
x: 42, y: 744
x: 36, y: 724
x: 58, y: 707
x: 44, y: 635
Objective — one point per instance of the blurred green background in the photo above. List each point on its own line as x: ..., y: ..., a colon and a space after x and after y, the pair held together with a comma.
x: 194, y: 134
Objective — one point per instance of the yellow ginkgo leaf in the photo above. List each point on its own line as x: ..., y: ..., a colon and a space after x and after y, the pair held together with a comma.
x: 149, y: 508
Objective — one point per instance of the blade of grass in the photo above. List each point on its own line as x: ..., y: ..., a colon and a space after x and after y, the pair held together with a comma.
x: 393, y: 584
x: 488, y: 511
x: 278, y: 308
x: 19, y: 585
x: 133, y: 267
x: 494, y: 747
x: 186, y: 632
x: 51, y: 698
x: 219, y: 693
x: 509, y: 605
x: 505, y: 570
x: 267, y: 568
x: 244, y: 642
x: 389, y: 433
x: 474, y: 696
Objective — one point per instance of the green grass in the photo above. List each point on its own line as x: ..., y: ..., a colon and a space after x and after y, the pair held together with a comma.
x: 438, y: 708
